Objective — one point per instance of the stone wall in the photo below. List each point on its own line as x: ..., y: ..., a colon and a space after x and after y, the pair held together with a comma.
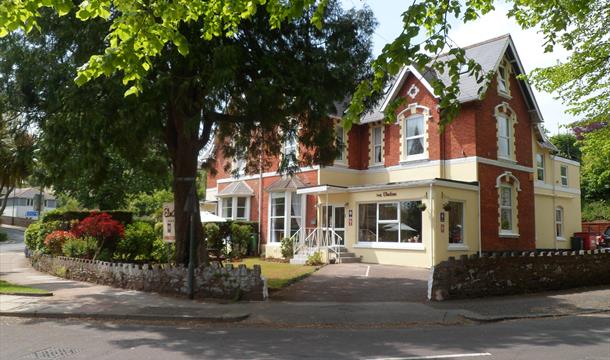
x: 16, y: 221
x: 229, y: 282
x: 518, y: 273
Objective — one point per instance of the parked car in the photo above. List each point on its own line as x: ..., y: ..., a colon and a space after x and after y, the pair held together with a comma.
x: 604, y: 238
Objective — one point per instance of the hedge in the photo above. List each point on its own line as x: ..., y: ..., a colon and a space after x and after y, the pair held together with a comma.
x: 124, y: 217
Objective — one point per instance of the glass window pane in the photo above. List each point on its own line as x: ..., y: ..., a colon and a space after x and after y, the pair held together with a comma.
x: 540, y: 174
x: 388, y: 232
x: 504, y: 147
x: 367, y: 222
x: 410, y: 221
x: 506, y: 199
x: 377, y: 136
x: 277, y: 229
x: 377, y: 154
x: 277, y: 204
x: 415, y: 146
x: 388, y: 212
x: 456, y: 222
x: 506, y: 219
x: 339, y: 217
x: 295, y: 204
x: 415, y: 126
x: 227, y: 207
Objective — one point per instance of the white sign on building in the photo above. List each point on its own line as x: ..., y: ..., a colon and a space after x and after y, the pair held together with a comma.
x: 169, y: 222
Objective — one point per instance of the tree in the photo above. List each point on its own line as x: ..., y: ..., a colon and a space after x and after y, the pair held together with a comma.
x: 16, y: 158
x: 568, y: 146
x: 595, y: 170
x: 254, y: 81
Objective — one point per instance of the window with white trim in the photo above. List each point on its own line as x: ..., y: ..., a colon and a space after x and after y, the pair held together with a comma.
x: 390, y: 222
x: 504, y: 136
x: 559, y: 222
x: 415, y: 140
x: 340, y: 143
x: 563, y: 173
x: 540, y: 167
x: 377, y: 145
x: 291, y: 149
x: 235, y: 208
x: 285, y: 215
x: 456, y: 222
x: 506, y: 209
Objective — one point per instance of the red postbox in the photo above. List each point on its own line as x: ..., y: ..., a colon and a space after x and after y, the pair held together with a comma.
x: 589, y: 239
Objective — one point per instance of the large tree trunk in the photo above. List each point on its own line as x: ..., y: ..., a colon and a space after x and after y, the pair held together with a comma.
x: 184, y: 147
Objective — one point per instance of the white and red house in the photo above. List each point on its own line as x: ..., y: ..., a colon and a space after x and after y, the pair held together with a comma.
x: 405, y: 193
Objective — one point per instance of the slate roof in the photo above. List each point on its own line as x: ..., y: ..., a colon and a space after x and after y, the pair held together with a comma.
x: 286, y: 183
x: 237, y: 188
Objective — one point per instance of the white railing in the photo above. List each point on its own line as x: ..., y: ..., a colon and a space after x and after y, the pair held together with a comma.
x: 309, y: 240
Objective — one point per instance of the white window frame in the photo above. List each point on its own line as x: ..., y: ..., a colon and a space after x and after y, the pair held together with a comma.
x: 511, y: 207
x: 559, y: 223
x: 501, y: 117
x: 233, y: 200
x: 563, y: 178
x: 286, y: 216
x: 377, y: 146
x: 423, y: 154
x: 341, y: 135
x: 291, y: 146
x: 462, y: 245
x: 503, y: 77
x: 540, y: 167
x: 388, y: 244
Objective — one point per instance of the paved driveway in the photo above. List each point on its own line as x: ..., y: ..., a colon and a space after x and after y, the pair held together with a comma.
x: 359, y: 283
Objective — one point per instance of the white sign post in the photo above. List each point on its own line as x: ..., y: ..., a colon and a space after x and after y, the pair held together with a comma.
x: 169, y: 222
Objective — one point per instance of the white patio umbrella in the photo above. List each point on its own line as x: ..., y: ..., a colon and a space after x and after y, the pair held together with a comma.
x: 207, y: 217
x: 394, y: 227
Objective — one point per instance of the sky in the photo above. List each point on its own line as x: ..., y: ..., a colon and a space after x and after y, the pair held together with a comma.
x: 528, y: 42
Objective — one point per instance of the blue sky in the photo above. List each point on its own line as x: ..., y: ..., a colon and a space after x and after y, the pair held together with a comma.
x: 528, y: 42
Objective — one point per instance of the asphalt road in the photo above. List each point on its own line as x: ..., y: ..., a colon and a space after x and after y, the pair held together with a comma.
x: 15, y: 240
x: 583, y: 337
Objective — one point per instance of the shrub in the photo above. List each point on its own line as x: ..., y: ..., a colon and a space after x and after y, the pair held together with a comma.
x: 240, y: 235
x: 596, y: 210
x: 55, y: 241
x: 137, y: 243
x: 124, y: 217
x: 3, y: 236
x: 287, y: 248
x: 163, y: 251
x: 211, y: 232
x: 80, y: 247
x: 315, y: 259
x: 101, y: 226
x: 36, y: 233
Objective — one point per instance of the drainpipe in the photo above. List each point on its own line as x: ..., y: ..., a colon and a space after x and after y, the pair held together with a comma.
x: 431, y: 228
x: 260, y: 196
x: 479, y: 215
x: 554, y: 204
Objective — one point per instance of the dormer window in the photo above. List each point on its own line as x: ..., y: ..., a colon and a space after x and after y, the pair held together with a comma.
x: 414, y: 136
x: 503, y: 76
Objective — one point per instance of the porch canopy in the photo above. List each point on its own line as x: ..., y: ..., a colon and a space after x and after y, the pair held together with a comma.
x: 286, y: 184
x: 322, y: 189
x: 238, y: 188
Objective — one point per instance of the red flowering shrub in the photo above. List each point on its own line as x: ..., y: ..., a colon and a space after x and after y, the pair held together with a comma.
x: 55, y: 241
x: 100, y: 226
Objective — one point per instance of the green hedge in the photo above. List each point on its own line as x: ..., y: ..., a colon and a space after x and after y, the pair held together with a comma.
x: 124, y: 217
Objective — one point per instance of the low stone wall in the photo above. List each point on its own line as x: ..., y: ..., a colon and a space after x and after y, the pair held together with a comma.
x: 233, y: 283
x: 518, y: 273
x: 9, y: 220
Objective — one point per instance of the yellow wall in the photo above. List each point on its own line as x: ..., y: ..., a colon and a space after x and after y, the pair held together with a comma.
x: 549, y: 195
x: 410, y: 257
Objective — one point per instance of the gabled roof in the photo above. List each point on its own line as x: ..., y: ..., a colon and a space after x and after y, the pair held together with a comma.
x: 286, y: 183
x: 237, y: 188
x: 29, y: 192
x: 488, y: 54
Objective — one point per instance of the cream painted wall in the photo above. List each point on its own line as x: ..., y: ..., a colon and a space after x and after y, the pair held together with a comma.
x: 546, y: 203
x: 455, y: 170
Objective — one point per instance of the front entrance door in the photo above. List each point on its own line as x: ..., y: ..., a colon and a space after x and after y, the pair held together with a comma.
x: 333, y: 218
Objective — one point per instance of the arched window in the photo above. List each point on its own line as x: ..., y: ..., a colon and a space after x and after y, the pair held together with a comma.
x: 508, y: 185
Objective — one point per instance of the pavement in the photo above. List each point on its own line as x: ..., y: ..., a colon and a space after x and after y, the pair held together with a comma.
x: 73, y: 299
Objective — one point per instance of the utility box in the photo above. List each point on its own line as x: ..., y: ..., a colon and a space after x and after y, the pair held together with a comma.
x: 589, y: 240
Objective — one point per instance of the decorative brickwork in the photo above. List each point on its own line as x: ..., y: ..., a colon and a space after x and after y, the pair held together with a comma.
x: 232, y: 283
x: 518, y: 273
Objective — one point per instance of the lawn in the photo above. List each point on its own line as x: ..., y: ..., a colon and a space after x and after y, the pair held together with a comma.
x: 8, y: 288
x: 278, y: 274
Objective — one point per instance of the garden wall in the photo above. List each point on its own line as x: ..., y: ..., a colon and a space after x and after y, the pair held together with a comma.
x: 232, y: 283
x: 518, y: 273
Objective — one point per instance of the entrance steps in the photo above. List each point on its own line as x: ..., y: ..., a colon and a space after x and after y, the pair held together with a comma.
x: 345, y: 256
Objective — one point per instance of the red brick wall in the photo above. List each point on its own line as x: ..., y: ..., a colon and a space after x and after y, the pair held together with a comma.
x: 490, y: 240
x: 358, y: 150
x: 486, y: 124
x: 460, y: 134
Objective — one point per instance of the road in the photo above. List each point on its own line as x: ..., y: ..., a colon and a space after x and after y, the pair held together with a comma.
x: 582, y: 337
x: 15, y: 240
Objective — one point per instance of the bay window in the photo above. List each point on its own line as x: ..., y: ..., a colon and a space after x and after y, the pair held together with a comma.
x: 390, y: 222
x: 285, y: 215
x: 235, y: 208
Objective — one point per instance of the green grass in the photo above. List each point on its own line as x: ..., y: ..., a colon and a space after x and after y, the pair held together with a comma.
x: 278, y: 274
x: 8, y: 288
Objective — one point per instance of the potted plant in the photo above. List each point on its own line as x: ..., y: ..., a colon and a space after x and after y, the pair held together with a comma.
x: 447, y: 206
x: 422, y: 207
